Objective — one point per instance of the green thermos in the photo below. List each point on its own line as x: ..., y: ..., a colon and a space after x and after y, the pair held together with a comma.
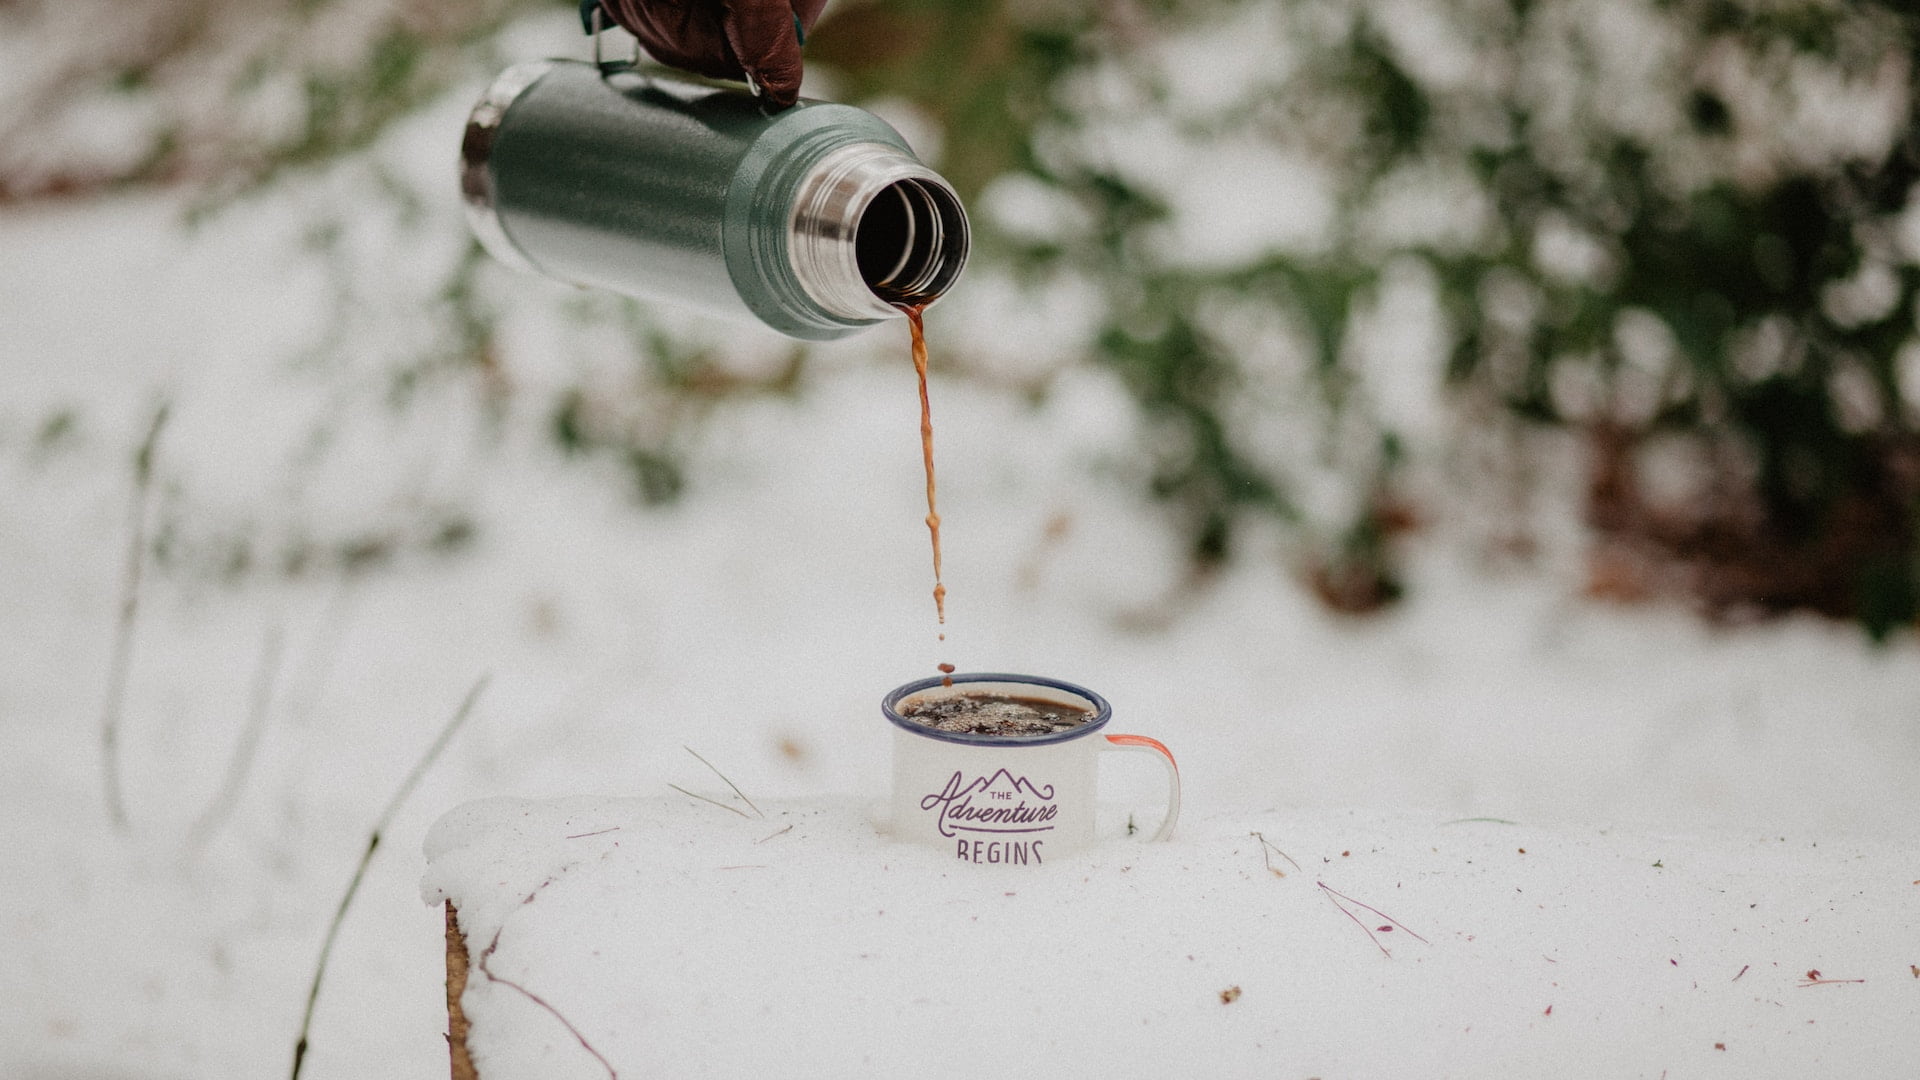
x: 816, y: 220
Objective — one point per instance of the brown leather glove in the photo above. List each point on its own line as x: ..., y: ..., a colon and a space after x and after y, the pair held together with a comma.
x: 757, y: 40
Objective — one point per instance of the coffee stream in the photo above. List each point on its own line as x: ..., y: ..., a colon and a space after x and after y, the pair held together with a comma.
x: 926, y: 450
x: 914, y: 313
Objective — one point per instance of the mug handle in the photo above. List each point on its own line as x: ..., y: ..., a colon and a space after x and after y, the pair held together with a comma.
x: 1145, y: 745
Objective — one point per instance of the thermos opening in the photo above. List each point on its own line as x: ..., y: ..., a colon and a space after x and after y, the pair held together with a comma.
x: 872, y: 229
x: 911, y: 242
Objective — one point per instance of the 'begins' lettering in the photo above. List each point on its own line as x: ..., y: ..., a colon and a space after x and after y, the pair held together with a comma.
x: 1017, y: 852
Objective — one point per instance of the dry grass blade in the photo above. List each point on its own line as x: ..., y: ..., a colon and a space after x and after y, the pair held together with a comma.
x: 484, y: 964
x: 723, y: 777
x: 1336, y: 896
x: 120, y: 658
x: 1368, y: 930
x: 1268, y: 850
x: 224, y: 800
x: 716, y: 802
x: 1359, y: 903
x: 385, y: 821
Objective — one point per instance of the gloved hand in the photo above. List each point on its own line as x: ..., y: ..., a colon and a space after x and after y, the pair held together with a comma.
x: 757, y: 40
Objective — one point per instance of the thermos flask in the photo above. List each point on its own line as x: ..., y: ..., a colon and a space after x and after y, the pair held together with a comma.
x: 816, y: 220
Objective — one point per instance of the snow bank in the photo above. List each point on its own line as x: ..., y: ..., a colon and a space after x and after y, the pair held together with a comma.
x: 680, y: 939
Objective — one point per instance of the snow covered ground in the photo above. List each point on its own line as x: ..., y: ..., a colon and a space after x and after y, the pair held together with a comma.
x: 758, y: 621
x: 677, y: 939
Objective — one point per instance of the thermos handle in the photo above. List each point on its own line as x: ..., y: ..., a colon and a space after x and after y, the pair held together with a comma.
x: 1145, y: 745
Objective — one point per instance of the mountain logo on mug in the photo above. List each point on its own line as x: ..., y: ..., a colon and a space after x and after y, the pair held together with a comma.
x: 1000, y: 803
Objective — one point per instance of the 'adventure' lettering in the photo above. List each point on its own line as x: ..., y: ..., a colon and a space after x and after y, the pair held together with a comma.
x: 1003, y: 809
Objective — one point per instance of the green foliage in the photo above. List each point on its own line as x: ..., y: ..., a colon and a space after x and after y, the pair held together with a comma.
x: 1008, y: 84
x: 1775, y: 271
x: 1689, y: 231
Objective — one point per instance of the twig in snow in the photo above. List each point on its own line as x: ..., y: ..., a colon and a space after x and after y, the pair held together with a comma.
x: 528, y: 899
x: 381, y: 825
x: 1743, y: 971
x: 771, y: 835
x: 1336, y: 896
x: 492, y: 946
x: 265, y: 676
x: 487, y: 954
x: 704, y: 799
x: 723, y: 776
x: 1396, y: 922
x: 1267, y: 846
x: 1356, y: 921
x: 596, y: 832
x: 120, y: 658
x: 1814, y: 978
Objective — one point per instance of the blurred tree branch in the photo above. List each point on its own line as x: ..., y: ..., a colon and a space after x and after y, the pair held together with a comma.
x: 220, y: 93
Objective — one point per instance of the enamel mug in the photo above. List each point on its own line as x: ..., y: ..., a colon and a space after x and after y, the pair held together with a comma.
x: 1007, y: 800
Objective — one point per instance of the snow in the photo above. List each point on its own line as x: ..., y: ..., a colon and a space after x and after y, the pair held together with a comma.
x: 759, y: 621
x: 679, y: 939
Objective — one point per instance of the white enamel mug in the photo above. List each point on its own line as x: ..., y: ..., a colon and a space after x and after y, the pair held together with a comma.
x: 1015, y: 800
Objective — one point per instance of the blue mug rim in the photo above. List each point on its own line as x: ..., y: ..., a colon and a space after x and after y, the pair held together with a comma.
x: 1102, y: 712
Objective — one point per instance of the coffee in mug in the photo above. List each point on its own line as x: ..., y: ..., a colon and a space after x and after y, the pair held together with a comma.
x: 981, y: 713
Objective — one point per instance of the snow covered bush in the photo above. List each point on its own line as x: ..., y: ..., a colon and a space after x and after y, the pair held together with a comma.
x: 1682, y: 229
x: 1324, y: 245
